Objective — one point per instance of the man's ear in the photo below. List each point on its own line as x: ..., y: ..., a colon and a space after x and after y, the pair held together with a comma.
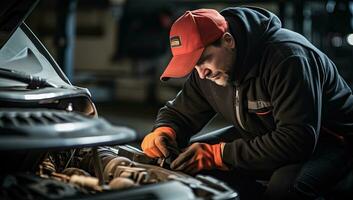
x: 228, y: 40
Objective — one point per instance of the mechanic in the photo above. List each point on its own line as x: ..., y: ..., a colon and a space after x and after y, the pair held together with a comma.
x: 292, y: 112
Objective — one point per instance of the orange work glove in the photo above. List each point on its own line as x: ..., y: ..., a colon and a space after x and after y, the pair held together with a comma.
x: 156, y: 143
x: 200, y: 156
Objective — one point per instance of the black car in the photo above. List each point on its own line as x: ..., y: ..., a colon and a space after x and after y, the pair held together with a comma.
x: 53, y: 144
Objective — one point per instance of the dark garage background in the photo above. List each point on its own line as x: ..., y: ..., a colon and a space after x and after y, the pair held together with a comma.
x: 118, y: 48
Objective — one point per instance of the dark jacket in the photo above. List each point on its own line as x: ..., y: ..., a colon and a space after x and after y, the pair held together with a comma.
x: 283, y: 92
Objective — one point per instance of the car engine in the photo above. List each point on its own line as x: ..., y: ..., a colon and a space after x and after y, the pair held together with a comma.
x: 40, y: 165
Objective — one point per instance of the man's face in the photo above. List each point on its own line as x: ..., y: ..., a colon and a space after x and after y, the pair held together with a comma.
x: 216, y: 61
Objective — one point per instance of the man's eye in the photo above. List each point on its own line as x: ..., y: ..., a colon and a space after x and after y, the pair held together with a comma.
x: 200, y: 63
x: 202, y: 60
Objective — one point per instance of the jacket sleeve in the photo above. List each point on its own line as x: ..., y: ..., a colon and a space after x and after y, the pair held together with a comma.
x: 295, y: 90
x: 187, y: 113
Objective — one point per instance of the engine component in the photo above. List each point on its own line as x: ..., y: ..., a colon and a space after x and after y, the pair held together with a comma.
x: 75, y: 171
x: 85, y: 181
x: 29, y: 186
x: 121, y: 183
x: 110, y: 167
x: 121, y: 172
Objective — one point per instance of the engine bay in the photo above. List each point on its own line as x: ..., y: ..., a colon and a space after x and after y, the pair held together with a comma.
x: 50, y: 153
x: 90, y: 172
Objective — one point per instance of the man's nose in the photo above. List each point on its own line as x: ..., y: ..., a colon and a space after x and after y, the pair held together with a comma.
x: 203, y: 72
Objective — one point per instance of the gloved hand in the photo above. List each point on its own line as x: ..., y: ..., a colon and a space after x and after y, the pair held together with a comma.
x: 157, y: 143
x: 200, y: 156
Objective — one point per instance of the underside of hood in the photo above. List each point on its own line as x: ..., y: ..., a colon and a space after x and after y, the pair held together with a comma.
x: 12, y: 14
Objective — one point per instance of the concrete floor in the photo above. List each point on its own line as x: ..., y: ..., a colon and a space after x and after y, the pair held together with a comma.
x: 140, y: 117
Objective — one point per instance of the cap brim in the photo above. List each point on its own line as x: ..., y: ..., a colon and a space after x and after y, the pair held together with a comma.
x: 181, y: 65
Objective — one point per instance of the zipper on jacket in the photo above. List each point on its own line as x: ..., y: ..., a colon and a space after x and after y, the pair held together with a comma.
x: 237, y: 109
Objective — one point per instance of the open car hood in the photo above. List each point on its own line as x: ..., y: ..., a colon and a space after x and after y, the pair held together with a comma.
x: 55, y: 116
x: 24, y: 53
x: 21, y: 51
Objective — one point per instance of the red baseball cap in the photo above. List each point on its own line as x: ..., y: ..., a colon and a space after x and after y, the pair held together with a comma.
x: 189, y: 36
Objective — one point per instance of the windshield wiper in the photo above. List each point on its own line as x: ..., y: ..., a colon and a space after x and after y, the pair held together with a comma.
x: 33, y: 82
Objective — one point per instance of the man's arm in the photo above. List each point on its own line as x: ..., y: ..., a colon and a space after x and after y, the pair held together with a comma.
x: 187, y: 113
x: 295, y: 90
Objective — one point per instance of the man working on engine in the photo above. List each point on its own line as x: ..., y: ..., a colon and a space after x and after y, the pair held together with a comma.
x: 284, y: 97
